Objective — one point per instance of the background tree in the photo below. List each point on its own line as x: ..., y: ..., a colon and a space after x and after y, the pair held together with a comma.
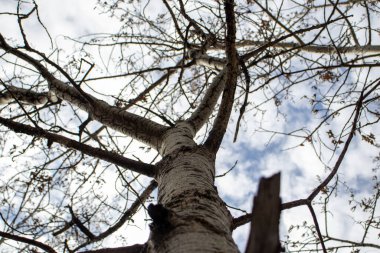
x: 88, y: 134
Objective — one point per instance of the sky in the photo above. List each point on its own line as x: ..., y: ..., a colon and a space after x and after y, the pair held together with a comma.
x: 257, y: 154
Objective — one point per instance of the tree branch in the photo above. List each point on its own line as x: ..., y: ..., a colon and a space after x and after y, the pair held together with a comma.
x: 239, y: 221
x: 25, y: 96
x: 321, y: 49
x: 275, y: 42
x: 38, y: 244
x: 159, y: 81
x: 80, y: 225
x: 316, y: 224
x: 136, y: 166
x: 136, y: 248
x: 127, y: 214
x: 205, y: 60
x: 275, y: 19
x: 200, y: 116
x: 232, y: 68
x: 130, y: 124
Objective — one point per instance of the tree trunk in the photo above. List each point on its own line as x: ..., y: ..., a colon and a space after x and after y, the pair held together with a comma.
x: 190, y: 216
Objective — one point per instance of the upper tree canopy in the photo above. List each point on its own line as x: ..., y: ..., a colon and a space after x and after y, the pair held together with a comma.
x: 286, y: 85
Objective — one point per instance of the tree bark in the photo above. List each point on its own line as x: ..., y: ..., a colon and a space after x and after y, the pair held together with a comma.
x: 190, y: 216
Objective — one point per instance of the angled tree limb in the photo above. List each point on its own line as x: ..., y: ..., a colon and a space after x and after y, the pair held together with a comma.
x: 275, y: 42
x: 126, y: 216
x: 343, y: 3
x: 203, y: 111
x: 209, y: 38
x: 64, y: 228
x: 239, y: 221
x: 178, y: 29
x: 207, y: 61
x: 22, y: 239
x: 246, y: 94
x: 353, y: 35
x: 25, y: 96
x: 136, y: 248
x: 140, y: 167
x: 157, y: 82
x: 264, y: 235
x: 232, y: 68
x: 137, y: 127
x: 312, y: 48
x: 356, y: 244
x: 275, y: 19
x: 80, y: 225
x: 218, y: 63
x: 116, y: 118
x: 131, y: 210
x: 317, y: 228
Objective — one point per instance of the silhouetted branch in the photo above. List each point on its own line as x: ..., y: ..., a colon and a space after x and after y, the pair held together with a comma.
x: 128, y: 123
x: 126, y: 216
x: 136, y: 248
x: 80, y: 225
x: 239, y: 221
x: 137, y: 166
x: 38, y: 244
x: 220, y: 125
x: 317, y: 227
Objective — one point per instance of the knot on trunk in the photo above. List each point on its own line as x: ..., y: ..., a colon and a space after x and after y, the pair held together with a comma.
x: 161, y: 224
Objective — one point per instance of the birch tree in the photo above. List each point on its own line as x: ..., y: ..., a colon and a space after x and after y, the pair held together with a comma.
x: 132, y: 122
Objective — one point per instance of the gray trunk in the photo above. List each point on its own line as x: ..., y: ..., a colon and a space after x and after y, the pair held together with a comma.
x: 192, y: 217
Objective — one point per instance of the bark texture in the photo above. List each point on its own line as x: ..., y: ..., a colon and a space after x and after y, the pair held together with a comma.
x: 190, y: 216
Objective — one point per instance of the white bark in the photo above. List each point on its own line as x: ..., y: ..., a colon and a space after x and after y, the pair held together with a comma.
x: 210, y: 62
x: 198, y: 219
x: 139, y: 128
x: 200, y: 116
x: 180, y: 136
x: 26, y: 96
x: 320, y: 49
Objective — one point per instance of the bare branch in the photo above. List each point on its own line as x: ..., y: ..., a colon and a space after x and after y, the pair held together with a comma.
x: 140, y: 167
x: 131, y: 124
x: 126, y: 216
x: 280, y: 23
x: 38, y: 244
x: 312, y: 48
x: 136, y: 248
x: 316, y: 224
x: 246, y: 218
x: 232, y: 68
x: 25, y: 96
x: 80, y: 225
x: 203, y: 111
